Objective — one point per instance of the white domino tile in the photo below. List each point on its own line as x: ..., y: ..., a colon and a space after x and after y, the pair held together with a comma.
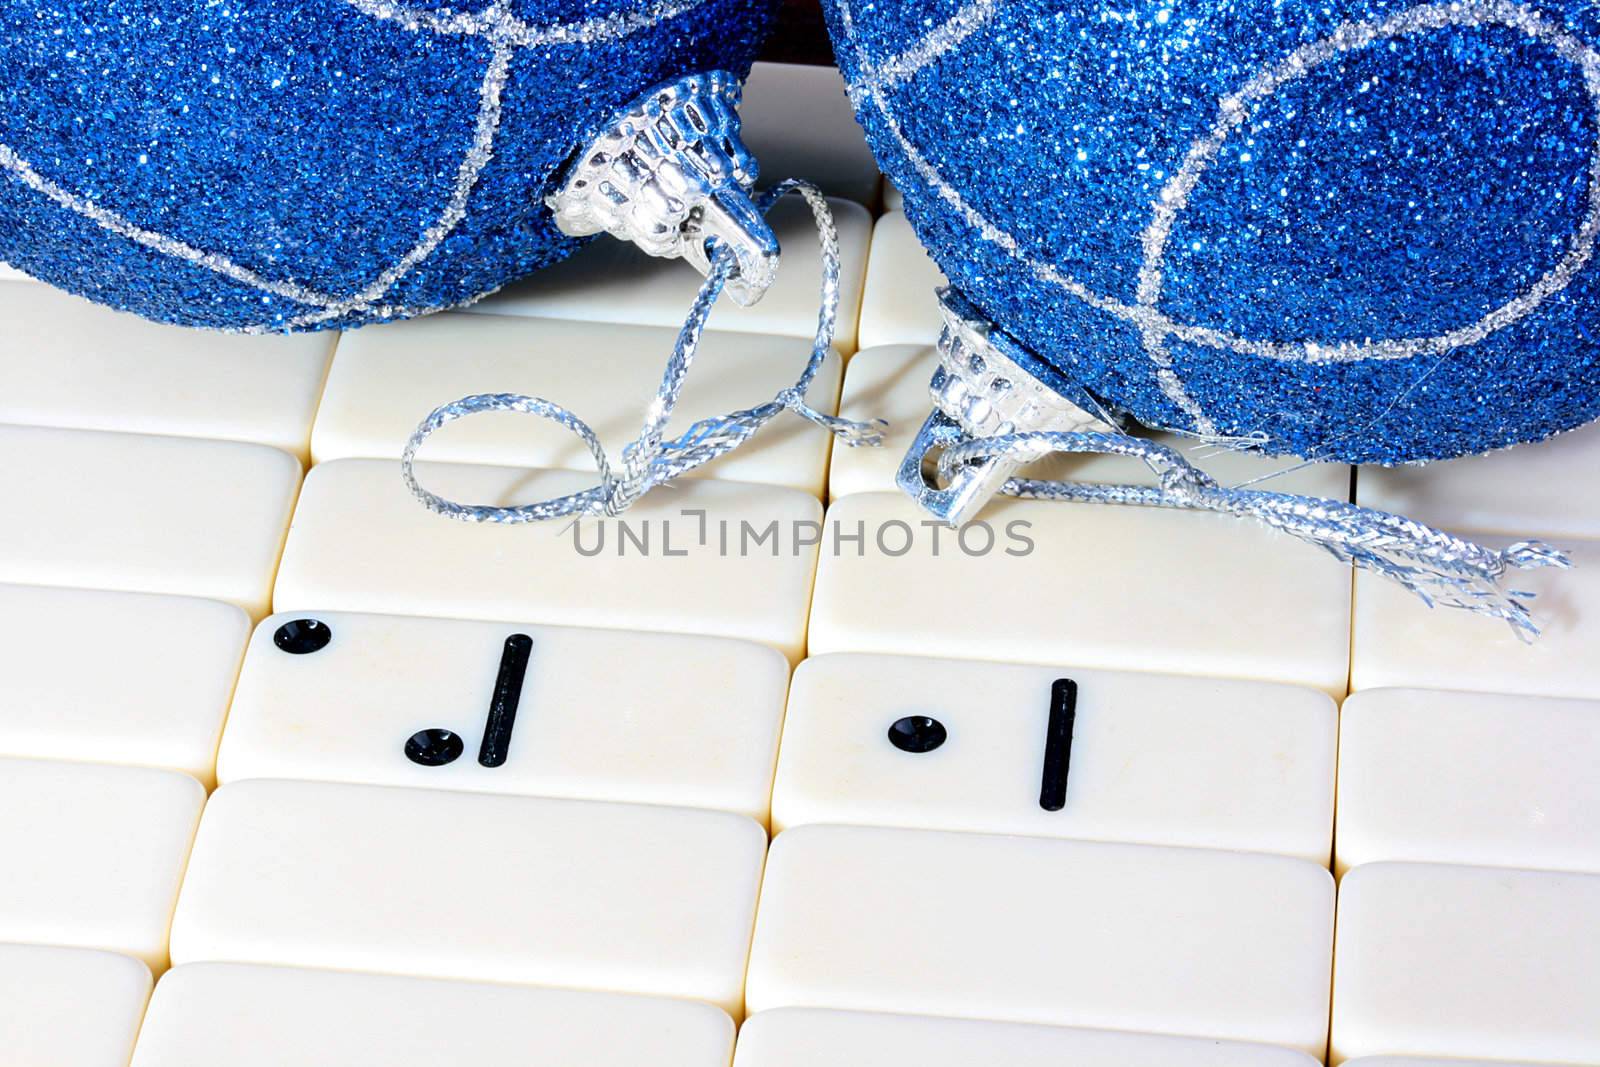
x: 1467, y: 962
x: 1156, y: 759
x: 806, y: 1037
x: 1472, y: 778
x: 1538, y: 490
x: 144, y: 513
x: 8, y: 274
x: 205, y: 1014
x: 899, y: 304
x: 361, y: 542
x: 1417, y: 1061
x: 116, y: 677
x: 617, y: 897
x: 798, y: 123
x: 891, y: 382
x: 67, y: 362
x: 1123, y: 937
x: 1120, y: 588
x: 608, y: 281
x: 94, y: 854
x: 601, y: 714
x: 1399, y: 641
x: 386, y: 378
x: 69, y: 1007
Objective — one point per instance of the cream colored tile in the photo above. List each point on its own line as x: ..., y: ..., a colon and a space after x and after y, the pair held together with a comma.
x: 600, y: 714
x: 1544, y: 490
x: 1157, y: 759
x: 1504, y: 781
x: 387, y: 378
x: 892, y: 200
x: 116, y: 677
x: 1401, y: 642
x: 205, y: 1014
x: 142, y: 513
x: 69, y: 1007
x: 612, y: 897
x: 1122, y: 937
x: 899, y: 304
x: 1119, y: 588
x: 805, y: 1037
x: 94, y: 854
x: 889, y: 383
x: 361, y: 542
x: 67, y: 362
x: 1460, y: 962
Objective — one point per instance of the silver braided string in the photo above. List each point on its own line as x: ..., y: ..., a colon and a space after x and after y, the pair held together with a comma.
x: 651, y: 458
x: 1441, y: 568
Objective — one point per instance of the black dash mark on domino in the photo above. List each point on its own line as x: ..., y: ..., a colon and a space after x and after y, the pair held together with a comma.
x: 507, y: 695
x: 1058, y: 744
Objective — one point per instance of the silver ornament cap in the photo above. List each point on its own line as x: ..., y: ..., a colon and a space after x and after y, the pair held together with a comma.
x: 671, y: 173
x: 987, y: 385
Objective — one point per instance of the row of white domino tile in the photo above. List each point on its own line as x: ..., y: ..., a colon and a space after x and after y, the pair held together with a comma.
x: 1104, y: 587
x: 695, y: 722
x: 1431, y: 959
x: 659, y: 899
x: 253, y: 1016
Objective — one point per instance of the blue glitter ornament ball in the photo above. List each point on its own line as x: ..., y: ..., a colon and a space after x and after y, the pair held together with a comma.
x: 302, y: 164
x: 1353, y: 230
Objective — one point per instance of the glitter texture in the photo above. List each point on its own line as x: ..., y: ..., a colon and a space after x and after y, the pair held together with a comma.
x: 261, y: 165
x: 1359, y: 231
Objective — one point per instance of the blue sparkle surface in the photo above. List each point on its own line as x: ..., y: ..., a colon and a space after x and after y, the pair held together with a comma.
x: 310, y: 143
x: 1402, y: 190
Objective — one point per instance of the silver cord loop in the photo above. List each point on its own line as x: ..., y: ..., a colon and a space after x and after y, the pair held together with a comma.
x: 651, y: 459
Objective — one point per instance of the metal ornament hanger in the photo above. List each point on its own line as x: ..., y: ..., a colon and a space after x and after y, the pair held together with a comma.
x: 671, y: 174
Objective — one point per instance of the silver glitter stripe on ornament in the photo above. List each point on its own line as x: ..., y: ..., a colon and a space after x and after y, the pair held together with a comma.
x: 499, y: 22
x: 484, y: 128
x: 987, y: 424
x: 1155, y: 326
x: 971, y: 18
x: 23, y: 171
x: 652, y: 459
